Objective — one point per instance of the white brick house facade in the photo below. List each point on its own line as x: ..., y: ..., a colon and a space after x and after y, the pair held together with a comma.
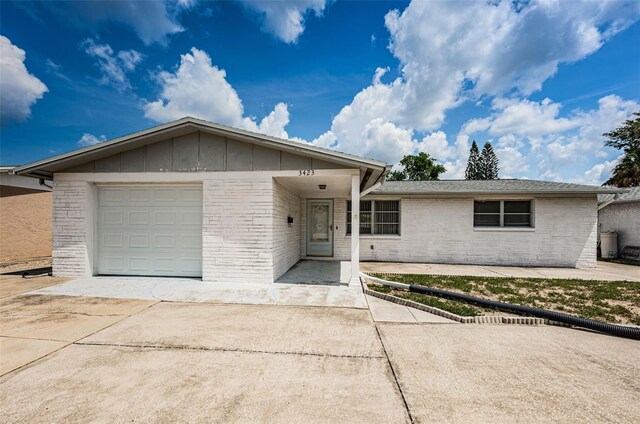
x: 255, y: 216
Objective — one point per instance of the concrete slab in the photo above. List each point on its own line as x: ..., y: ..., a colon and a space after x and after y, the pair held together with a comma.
x: 87, y: 384
x: 427, y: 318
x: 504, y: 374
x: 318, y: 272
x: 46, y: 304
x: 384, y: 311
x: 11, y: 285
x: 605, y: 271
x: 55, y: 321
x: 192, y: 290
x: 18, y: 352
x: 319, y: 331
x: 59, y: 326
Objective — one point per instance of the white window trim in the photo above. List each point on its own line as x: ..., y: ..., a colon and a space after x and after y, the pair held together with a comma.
x: 530, y: 228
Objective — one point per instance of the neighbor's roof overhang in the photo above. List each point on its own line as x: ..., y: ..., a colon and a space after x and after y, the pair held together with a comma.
x: 372, y: 171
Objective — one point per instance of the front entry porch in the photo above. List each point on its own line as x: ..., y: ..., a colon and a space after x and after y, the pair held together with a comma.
x: 314, y: 272
x: 316, y: 247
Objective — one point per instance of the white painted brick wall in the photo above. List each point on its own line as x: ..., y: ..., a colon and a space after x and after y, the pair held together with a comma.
x: 441, y: 231
x: 238, y: 230
x: 624, y: 218
x: 70, y: 222
x: 286, y: 246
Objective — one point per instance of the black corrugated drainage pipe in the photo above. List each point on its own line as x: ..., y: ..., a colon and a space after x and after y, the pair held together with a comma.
x: 613, y: 329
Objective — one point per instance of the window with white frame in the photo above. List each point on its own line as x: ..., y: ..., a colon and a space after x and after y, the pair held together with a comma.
x: 377, y: 217
x: 502, y: 213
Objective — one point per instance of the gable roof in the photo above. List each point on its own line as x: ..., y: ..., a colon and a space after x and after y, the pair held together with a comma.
x: 507, y: 186
x: 632, y: 196
x: 45, y: 168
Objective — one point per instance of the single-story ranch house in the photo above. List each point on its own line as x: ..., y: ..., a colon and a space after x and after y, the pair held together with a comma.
x: 193, y: 198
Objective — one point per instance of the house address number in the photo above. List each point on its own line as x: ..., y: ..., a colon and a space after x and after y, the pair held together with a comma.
x: 306, y: 172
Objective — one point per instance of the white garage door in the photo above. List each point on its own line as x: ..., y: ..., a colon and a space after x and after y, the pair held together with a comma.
x: 150, y: 230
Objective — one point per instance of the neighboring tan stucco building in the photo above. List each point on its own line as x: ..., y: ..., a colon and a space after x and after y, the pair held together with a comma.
x: 622, y: 215
x: 193, y: 198
x: 25, y: 218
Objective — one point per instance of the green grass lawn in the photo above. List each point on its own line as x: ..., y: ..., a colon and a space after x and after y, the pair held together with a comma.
x: 607, y: 301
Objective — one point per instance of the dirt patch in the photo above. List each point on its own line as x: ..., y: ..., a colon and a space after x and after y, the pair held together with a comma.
x: 25, y: 265
x: 11, y: 285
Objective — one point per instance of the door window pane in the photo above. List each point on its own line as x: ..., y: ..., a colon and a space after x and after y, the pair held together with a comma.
x: 320, y: 223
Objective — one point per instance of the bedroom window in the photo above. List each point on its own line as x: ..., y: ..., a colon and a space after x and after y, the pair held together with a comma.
x: 502, y: 213
x: 377, y: 217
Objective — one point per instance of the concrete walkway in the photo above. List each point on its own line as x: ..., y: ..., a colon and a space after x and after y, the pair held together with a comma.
x: 193, y: 290
x: 605, y: 271
x: 383, y: 311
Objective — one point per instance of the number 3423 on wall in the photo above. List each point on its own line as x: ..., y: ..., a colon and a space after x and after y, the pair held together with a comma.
x: 306, y: 172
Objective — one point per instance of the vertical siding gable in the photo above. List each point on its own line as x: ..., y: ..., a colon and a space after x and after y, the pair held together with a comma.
x: 202, y: 151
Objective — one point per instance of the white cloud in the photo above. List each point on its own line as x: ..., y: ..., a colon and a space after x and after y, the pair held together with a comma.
x: 524, y: 117
x: 437, y: 146
x: 453, y: 51
x: 90, y: 139
x: 534, y: 132
x: 285, y: 19
x: 200, y: 89
x: 492, y: 47
x: 598, y: 173
x: 19, y: 90
x: 113, y: 66
x: 272, y: 124
x: 152, y: 21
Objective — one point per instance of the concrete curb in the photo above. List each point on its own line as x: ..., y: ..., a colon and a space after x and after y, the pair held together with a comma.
x: 491, y: 319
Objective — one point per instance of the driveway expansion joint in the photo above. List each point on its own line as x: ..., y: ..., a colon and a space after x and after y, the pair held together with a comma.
x: 224, y: 349
x: 395, y: 376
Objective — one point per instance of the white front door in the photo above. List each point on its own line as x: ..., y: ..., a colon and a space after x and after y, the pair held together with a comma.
x: 320, y: 228
x: 150, y: 230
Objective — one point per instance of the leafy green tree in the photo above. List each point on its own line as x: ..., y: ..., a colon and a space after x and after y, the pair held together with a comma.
x: 420, y: 167
x: 488, y: 163
x: 626, y: 138
x: 471, y: 173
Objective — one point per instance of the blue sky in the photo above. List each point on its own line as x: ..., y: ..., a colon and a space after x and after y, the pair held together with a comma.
x: 541, y: 80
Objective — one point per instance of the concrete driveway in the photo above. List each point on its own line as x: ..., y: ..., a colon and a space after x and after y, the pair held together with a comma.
x: 132, y: 360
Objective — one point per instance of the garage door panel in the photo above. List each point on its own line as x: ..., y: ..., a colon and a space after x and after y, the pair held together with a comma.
x: 191, y: 218
x: 150, y: 231
x: 139, y: 241
x: 136, y: 195
x: 164, y: 218
x: 112, y: 217
x: 114, y: 241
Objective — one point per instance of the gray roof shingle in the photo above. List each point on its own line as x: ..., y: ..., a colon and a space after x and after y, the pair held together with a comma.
x: 632, y: 196
x: 506, y: 186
